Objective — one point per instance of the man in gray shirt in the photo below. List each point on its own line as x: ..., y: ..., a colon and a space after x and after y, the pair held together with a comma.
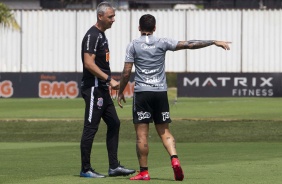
x: 150, y: 102
x: 149, y: 52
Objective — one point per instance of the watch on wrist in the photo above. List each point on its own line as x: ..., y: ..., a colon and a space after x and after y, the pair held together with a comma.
x: 109, y: 79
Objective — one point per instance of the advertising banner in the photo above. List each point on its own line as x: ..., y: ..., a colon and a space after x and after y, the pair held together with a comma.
x: 67, y: 85
x: 48, y: 85
x: 229, y: 85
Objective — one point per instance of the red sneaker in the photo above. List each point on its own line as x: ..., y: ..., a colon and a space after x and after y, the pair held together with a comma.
x: 178, y: 173
x: 144, y: 175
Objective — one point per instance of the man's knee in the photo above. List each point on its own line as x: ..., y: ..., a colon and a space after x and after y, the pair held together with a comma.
x: 113, y: 123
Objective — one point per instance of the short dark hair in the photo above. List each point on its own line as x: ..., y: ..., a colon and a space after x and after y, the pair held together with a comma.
x: 147, y: 22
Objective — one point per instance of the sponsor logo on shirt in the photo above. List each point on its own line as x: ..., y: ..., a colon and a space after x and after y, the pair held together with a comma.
x: 149, y: 71
x: 105, y: 42
x: 146, y: 47
x: 152, y: 80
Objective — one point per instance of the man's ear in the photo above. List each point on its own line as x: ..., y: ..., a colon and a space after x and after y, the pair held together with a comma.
x: 139, y: 28
x: 154, y: 29
x: 99, y: 16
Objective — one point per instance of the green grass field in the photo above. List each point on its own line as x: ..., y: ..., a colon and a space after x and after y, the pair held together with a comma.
x: 219, y: 140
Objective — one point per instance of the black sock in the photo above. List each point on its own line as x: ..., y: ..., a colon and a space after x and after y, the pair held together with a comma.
x: 173, y: 156
x: 143, y: 169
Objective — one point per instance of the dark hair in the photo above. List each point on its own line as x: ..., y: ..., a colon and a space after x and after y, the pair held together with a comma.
x: 147, y: 22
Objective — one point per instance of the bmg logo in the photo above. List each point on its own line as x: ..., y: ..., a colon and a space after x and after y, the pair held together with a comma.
x: 58, y: 89
x: 6, y: 89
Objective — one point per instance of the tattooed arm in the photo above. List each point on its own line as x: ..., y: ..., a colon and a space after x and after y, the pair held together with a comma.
x: 123, y: 81
x: 198, y: 44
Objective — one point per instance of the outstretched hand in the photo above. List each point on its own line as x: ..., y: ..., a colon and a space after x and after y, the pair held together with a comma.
x: 121, y: 97
x: 223, y: 44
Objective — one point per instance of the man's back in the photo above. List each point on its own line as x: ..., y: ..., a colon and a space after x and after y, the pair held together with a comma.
x: 148, y: 55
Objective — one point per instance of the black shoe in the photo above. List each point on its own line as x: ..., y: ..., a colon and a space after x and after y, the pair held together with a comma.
x: 120, y: 171
x: 91, y: 174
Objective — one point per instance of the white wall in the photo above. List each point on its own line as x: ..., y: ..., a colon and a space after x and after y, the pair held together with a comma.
x: 50, y: 40
x: 261, y: 41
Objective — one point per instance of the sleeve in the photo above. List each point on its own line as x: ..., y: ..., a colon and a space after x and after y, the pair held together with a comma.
x: 129, y: 56
x: 169, y: 44
x: 90, y: 44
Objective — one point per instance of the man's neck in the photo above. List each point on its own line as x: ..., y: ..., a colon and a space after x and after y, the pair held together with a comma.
x: 146, y: 33
x: 99, y: 27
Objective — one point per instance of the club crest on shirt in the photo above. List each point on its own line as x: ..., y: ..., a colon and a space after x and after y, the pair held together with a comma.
x: 100, y: 102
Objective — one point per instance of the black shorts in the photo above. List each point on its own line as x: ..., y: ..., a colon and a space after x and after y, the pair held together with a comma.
x: 149, y: 106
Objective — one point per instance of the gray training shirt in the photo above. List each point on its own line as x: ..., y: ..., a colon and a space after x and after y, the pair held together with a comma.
x: 148, y: 55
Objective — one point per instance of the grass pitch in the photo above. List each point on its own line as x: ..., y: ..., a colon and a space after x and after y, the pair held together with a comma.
x: 232, y: 163
x: 219, y: 140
